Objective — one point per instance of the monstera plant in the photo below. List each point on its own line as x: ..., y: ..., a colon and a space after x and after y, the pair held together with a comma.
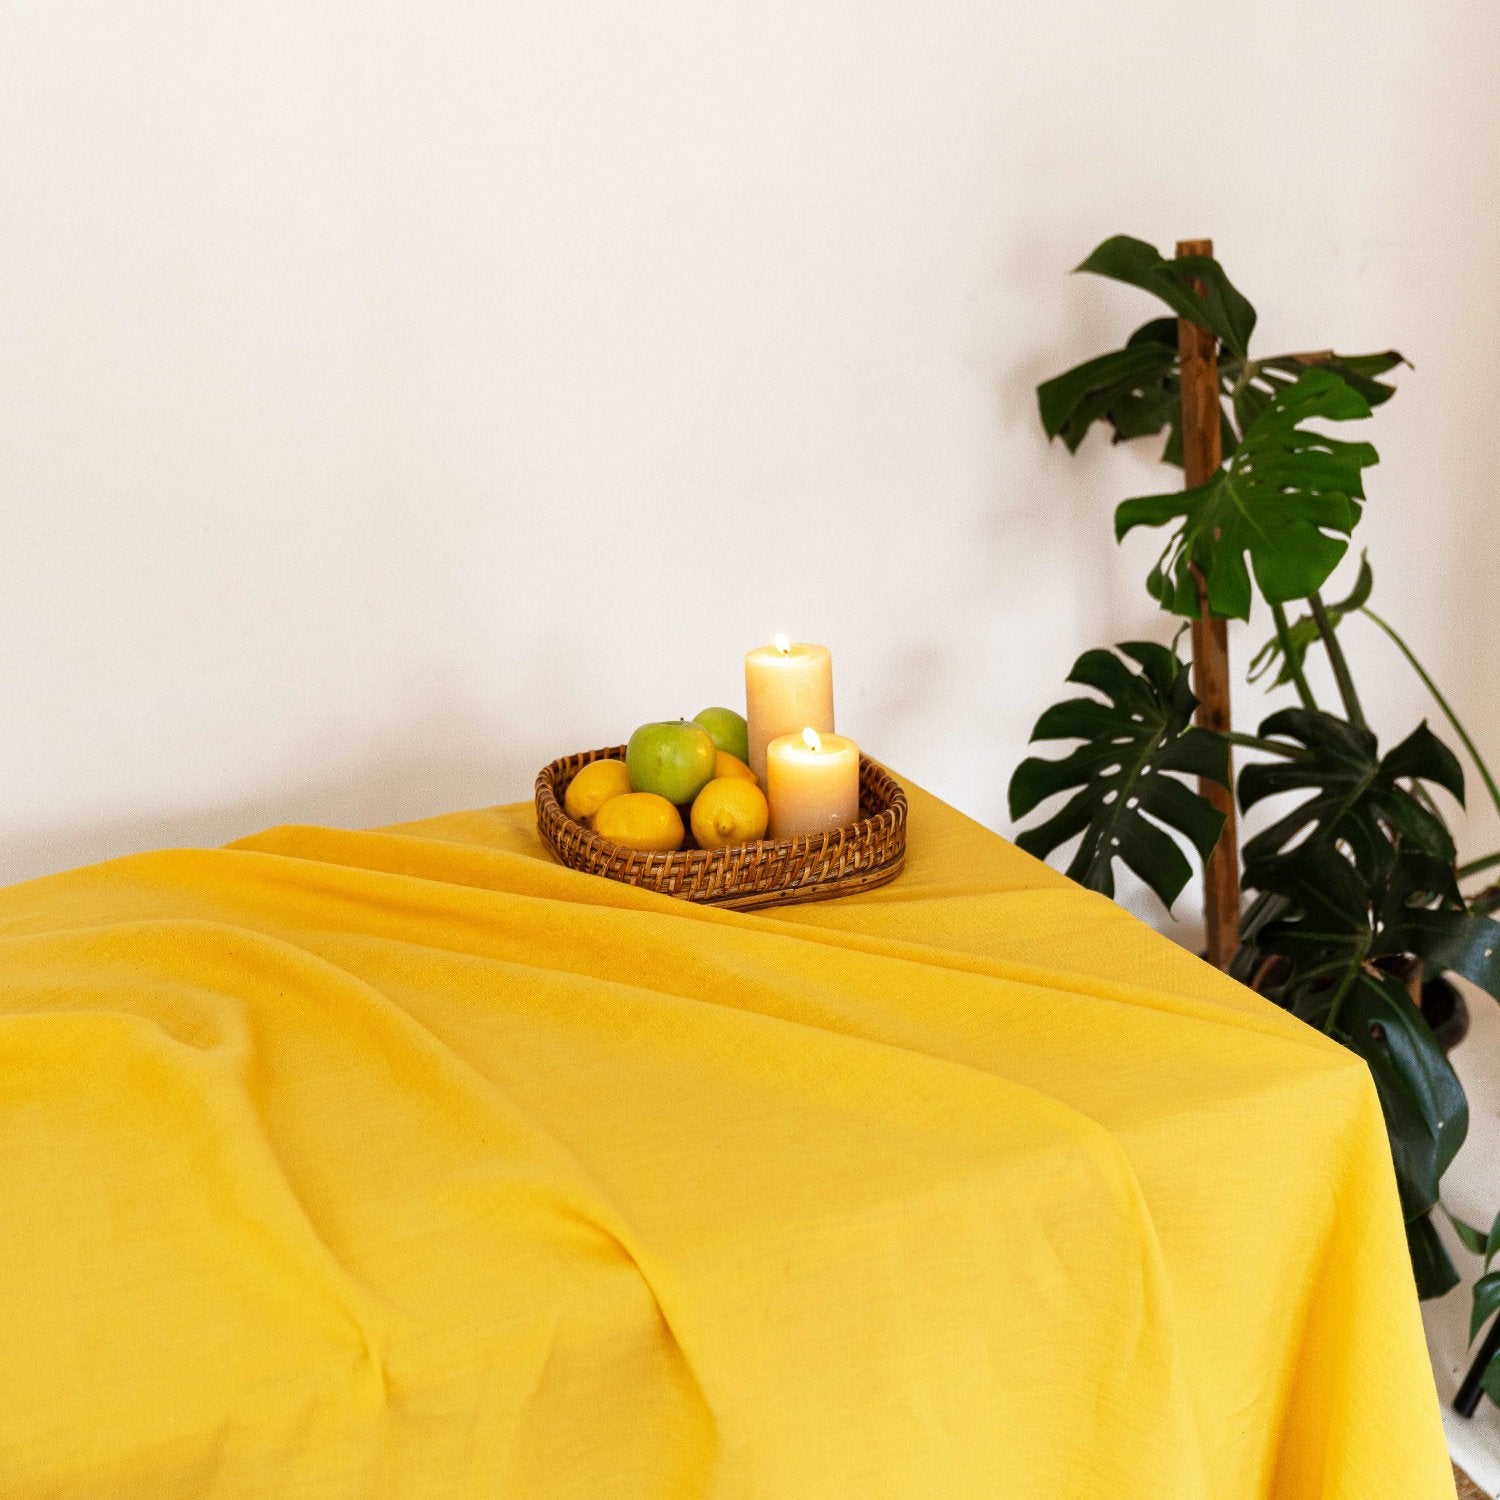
x: 1355, y: 894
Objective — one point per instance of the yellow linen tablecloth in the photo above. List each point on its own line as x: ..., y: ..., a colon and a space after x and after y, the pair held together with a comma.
x: 408, y: 1163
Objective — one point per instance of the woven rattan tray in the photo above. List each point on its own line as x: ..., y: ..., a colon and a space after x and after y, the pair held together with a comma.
x: 773, y: 872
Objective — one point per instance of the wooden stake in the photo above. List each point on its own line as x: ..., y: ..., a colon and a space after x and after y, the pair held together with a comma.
x: 1201, y: 456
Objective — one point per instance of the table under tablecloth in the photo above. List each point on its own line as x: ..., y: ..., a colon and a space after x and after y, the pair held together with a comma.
x: 409, y: 1163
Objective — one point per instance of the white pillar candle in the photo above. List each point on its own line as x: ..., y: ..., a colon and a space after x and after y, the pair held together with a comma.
x: 787, y: 688
x: 812, y: 783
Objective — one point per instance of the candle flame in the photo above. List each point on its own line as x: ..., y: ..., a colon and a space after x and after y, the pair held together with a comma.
x: 782, y: 644
x: 812, y: 739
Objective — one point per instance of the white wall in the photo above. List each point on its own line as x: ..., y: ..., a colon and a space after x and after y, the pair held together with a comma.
x: 393, y: 397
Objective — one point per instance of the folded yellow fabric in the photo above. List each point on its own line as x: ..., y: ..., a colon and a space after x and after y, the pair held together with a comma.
x: 409, y: 1163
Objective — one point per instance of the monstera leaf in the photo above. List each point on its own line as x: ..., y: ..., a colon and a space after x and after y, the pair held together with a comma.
x: 1288, y: 499
x: 1219, y: 307
x: 1486, y: 1290
x: 1134, y: 389
x: 1333, y: 927
x: 1341, y: 935
x: 1125, y: 792
x: 1253, y: 384
x: 1357, y: 889
x: 1486, y: 1302
x: 1137, y: 391
x: 1475, y: 1241
x: 1302, y: 634
x: 1426, y: 1113
x: 1430, y: 1262
x: 1356, y: 800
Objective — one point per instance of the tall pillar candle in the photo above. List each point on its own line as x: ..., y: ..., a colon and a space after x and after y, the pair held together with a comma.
x: 812, y: 783
x: 788, y: 688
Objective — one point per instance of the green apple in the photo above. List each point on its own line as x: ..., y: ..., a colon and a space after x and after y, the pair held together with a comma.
x: 727, y: 730
x: 675, y: 759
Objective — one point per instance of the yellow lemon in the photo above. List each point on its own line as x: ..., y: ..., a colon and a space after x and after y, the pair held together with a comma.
x: 640, y: 820
x: 593, y: 786
x: 729, y: 810
x: 732, y: 765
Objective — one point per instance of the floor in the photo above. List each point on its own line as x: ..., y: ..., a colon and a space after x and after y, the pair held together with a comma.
x: 1472, y: 1191
x: 1467, y: 1489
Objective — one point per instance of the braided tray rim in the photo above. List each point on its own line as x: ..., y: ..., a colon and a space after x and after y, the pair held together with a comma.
x: 772, y: 872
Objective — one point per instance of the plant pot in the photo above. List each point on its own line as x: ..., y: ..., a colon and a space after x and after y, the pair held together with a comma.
x: 1446, y: 1011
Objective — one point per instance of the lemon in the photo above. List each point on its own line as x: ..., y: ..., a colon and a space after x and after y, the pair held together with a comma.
x: 732, y: 765
x: 593, y: 786
x: 640, y: 820
x: 729, y: 810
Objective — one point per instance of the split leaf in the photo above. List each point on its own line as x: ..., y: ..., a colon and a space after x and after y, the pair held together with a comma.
x: 1288, y: 499
x: 1357, y: 798
x: 1126, y: 790
x: 1220, y: 307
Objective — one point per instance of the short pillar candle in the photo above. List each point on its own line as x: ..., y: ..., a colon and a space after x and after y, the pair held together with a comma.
x: 787, y: 688
x: 812, y: 783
